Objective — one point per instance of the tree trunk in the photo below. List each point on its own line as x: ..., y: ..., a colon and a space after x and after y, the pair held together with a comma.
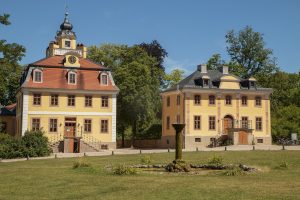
x: 123, y: 139
x: 134, y: 130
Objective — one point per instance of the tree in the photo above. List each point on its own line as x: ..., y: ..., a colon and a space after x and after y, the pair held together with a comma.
x: 173, y: 78
x: 247, y: 51
x: 10, y: 70
x: 215, y: 62
x: 285, y: 120
x: 154, y: 49
x: 138, y: 101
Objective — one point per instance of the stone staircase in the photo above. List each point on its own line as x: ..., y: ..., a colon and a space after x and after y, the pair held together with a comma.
x: 88, y: 143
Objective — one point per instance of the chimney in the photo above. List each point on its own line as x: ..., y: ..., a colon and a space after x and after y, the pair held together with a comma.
x: 225, y: 69
x: 202, y: 68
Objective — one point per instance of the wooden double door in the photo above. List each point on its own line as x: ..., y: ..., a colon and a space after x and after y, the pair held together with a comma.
x: 243, y: 137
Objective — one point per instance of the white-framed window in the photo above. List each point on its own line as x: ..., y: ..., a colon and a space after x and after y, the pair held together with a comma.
x: 67, y: 44
x: 104, y: 79
x: 37, y: 76
x: 72, y: 78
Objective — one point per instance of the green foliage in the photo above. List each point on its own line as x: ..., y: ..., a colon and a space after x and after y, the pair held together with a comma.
x: 10, y: 70
x: 123, y: 169
x: 285, y: 120
x: 4, y: 19
x: 155, y: 50
x: 33, y: 144
x: 153, y: 132
x: 216, y: 161
x: 146, y: 160
x: 173, y: 78
x: 36, y: 144
x: 10, y: 147
x: 247, y: 50
x: 215, y: 62
x: 234, y: 171
x: 138, y: 101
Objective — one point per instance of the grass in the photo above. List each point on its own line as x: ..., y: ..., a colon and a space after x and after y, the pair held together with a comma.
x: 57, y: 179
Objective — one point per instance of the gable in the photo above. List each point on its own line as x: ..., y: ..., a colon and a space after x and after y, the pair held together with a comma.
x: 229, y: 82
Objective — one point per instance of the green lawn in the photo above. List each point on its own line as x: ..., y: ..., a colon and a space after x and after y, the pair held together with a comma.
x: 55, y: 179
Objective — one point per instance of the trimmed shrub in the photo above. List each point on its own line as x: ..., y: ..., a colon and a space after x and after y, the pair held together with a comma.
x: 215, y: 161
x: 122, y: 169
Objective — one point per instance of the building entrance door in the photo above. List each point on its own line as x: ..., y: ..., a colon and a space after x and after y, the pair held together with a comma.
x: 70, y: 127
x: 243, y: 137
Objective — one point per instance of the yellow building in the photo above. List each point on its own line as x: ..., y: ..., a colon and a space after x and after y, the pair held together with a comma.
x: 217, y: 107
x: 70, y: 98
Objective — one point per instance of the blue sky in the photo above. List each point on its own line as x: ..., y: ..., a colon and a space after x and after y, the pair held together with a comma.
x: 191, y: 30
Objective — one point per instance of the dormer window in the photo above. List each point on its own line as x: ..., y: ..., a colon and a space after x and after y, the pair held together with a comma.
x: 67, y: 44
x: 72, y: 78
x: 205, y: 82
x: 104, y: 79
x: 37, y: 76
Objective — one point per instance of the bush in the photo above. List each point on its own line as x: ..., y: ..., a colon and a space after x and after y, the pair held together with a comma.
x: 36, y: 144
x: 215, y: 161
x: 33, y: 144
x: 122, y: 169
x: 10, y: 147
x: 146, y: 160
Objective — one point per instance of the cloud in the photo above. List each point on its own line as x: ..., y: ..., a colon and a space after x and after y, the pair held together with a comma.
x: 187, y: 66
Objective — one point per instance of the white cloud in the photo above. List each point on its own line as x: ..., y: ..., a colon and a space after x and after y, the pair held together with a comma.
x: 187, y: 66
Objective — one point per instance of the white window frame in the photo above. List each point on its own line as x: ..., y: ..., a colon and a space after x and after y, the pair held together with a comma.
x: 101, y: 75
x: 69, y: 75
x: 34, y: 76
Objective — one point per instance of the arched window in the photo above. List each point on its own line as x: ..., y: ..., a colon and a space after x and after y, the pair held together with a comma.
x: 104, y: 79
x: 72, y: 78
x: 37, y: 76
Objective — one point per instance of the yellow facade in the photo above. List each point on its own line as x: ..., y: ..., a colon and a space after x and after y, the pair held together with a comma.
x: 91, y: 124
x: 257, y: 117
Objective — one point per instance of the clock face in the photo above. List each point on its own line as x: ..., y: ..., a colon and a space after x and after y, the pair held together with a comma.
x: 72, y: 59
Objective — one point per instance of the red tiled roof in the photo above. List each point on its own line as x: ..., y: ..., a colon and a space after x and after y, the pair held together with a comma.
x: 57, y: 61
x: 56, y: 78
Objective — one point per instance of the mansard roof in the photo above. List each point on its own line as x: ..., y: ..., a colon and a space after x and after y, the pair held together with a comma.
x: 194, y: 81
x: 58, y: 61
x: 55, y: 75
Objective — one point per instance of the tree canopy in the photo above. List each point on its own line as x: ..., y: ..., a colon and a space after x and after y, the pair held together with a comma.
x: 10, y: 69
x: 138, y: 101
x: 173, y: 78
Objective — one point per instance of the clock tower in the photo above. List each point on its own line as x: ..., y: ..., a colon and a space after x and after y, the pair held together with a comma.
x: 65, y: 42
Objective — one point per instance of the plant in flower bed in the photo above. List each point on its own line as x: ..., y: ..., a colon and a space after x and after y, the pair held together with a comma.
x: 123, y: 169
x: 178, y: 166
x: 146, y: 160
